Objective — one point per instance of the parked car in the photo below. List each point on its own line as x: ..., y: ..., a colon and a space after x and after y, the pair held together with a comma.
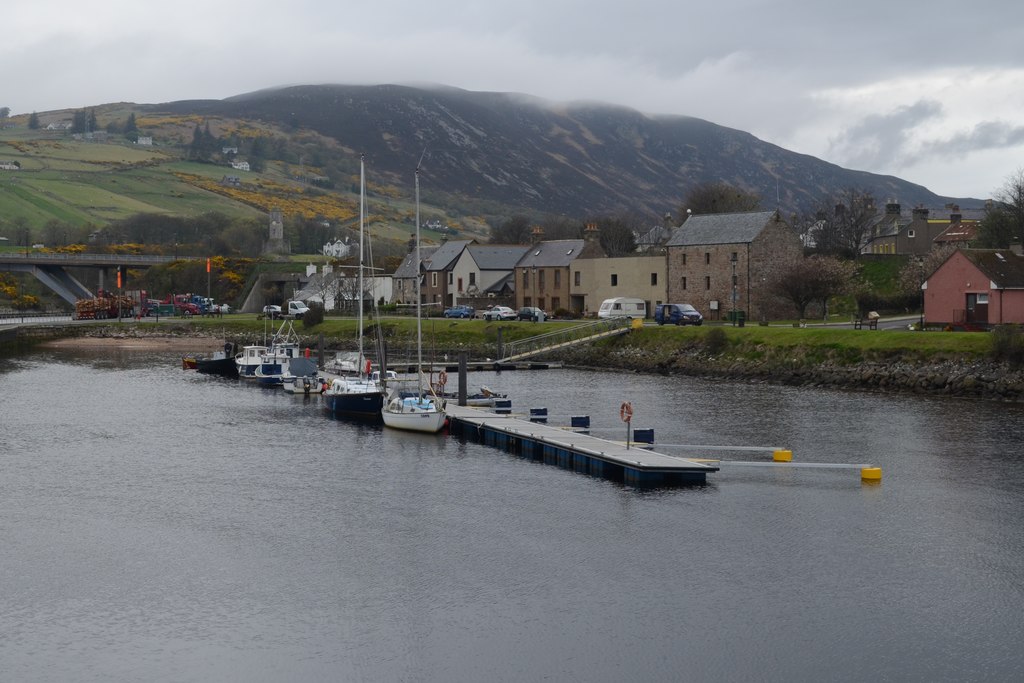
x: 499, y: 313
x: 677, y: 314
x: 531, y: 313
x: 272, y: 310
x: 460, y: 312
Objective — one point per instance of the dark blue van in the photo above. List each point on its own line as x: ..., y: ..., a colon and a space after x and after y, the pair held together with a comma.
x: 677, y: 314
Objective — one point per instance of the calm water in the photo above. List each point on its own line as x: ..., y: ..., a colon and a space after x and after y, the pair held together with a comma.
x: 157, y: 525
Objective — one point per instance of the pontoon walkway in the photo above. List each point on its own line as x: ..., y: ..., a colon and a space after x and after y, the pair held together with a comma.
x: 576, y: 451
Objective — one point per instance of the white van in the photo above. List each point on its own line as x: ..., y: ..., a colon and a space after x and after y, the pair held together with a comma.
x: 622, y: 307
x: 297, y: 308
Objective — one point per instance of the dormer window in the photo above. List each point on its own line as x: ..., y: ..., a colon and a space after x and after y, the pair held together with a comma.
x: 910, y: 233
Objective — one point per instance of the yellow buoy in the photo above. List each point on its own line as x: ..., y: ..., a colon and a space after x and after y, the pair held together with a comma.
x: 872, y: 474
x: 782, y: 456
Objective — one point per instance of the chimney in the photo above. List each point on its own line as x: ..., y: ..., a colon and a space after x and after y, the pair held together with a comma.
x: 955, y: 216
x: 667, y: 221
x: 892, y: 209
x: 920, y: 213
x: 591, y: 233
x: 537, y: 233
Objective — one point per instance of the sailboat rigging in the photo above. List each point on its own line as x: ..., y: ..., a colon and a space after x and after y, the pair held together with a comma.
x: 358, y: 395
x: 417, y: 411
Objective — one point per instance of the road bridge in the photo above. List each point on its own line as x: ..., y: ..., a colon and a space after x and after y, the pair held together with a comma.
x: 51, y: 269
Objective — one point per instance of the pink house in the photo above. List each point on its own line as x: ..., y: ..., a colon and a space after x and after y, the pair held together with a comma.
x: 981, y: 287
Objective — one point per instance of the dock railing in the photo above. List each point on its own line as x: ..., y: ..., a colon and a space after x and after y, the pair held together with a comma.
x: 584, y: 333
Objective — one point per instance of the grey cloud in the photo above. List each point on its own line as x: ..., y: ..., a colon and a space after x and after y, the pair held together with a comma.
x: 882, y: 140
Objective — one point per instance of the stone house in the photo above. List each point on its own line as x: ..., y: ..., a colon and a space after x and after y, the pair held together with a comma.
x: 641, y: 276
x: 721, y: 263
x: 976, y: 287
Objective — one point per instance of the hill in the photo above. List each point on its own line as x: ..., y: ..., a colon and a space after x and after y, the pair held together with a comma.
x: 485, y: 157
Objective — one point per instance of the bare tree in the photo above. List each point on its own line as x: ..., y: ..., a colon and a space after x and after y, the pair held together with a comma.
x: 1009, y: 208
x: 813, y: 279
x: 842, y: 223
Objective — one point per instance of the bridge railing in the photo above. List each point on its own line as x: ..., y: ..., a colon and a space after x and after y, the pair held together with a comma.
x: 114, y: 259
x: 562, y: 336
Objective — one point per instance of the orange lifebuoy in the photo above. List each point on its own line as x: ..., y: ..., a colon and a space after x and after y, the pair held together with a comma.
x: 626, y: 411
x: 442, y: 378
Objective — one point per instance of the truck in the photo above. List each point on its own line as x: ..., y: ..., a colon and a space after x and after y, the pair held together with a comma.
x: 104, y: 306
x: 296, y: 308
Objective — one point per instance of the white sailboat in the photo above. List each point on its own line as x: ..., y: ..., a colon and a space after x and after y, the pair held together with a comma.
x: 358, y: 394
x: 419, y: 410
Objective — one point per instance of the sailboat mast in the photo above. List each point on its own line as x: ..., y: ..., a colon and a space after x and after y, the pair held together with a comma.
x: 419, y: 326
x: 362, y: 214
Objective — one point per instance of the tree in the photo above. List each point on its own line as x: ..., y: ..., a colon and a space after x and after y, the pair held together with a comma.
x: 815, y: 278
x: 130, y: 126
x: 516, y: 230
x: 718, y: 198
x: 33, y: 121
x: 916, y: 270
x: 1010, y: 204
x: 842, y: 223
x: 4, y: 112
x: 617, y: 234
x: 79, y: 121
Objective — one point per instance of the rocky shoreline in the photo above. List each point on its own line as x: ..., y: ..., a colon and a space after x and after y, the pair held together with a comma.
x: 966, y: 378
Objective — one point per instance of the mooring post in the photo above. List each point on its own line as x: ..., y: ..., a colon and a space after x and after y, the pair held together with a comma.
x: 463, y: 364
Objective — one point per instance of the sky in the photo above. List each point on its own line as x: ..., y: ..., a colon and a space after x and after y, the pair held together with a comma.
x: 931, y: 92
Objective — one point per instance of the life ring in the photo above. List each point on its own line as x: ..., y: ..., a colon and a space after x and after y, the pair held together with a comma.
x: 369, y: 366
x: 626, y: 411
x: 442, y: 378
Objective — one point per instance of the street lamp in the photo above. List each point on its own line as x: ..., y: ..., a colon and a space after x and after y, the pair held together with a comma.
x: 733, y: 259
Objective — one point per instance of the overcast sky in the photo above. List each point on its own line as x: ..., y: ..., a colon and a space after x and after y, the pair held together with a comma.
x: 932, y: 92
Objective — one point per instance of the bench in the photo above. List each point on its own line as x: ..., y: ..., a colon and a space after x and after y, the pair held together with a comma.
x: 858, y: 323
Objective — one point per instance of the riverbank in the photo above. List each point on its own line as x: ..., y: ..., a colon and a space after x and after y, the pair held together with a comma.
x: 891, y: 364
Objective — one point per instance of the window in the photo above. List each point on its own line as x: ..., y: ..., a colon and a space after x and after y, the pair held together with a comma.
x: 684, y: 282
x: 707, y: 282
x: 472, y: 279
x: 459, y: 288
x: 556, y: 303
x: 654, y: 279
x: 558, y: 279
x: 576, y: 278
x: 526, y: 278
x: 615, y: 280
x: 540, y: 280
x: 451, y: 278
x: 433, y: 279
x: 684, y: 258
x: 910, y: 233
x: 707, y: 258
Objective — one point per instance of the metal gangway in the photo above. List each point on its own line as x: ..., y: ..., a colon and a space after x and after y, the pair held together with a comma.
x: 587, y: 332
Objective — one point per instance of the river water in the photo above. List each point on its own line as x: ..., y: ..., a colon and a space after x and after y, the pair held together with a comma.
x: 158, y: 525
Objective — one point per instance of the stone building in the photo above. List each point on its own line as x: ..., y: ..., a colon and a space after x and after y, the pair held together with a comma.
x: 723, y: 263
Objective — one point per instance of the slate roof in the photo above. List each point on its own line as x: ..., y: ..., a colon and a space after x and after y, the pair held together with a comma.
x: 1001, y: 266
x: 552, y: 254
x: 496, y: 256
x: 407, y: 269
x: 444, y: 256
x: 720, y: 228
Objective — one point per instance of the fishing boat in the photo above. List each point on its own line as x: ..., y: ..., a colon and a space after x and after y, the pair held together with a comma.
x: 357, y: 394
x: 420, y: 410
x: 274, y: 363
x: 248, y: 359
x: 220, y: 362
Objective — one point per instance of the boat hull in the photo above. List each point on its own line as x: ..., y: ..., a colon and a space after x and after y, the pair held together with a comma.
x: 414, y: 415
